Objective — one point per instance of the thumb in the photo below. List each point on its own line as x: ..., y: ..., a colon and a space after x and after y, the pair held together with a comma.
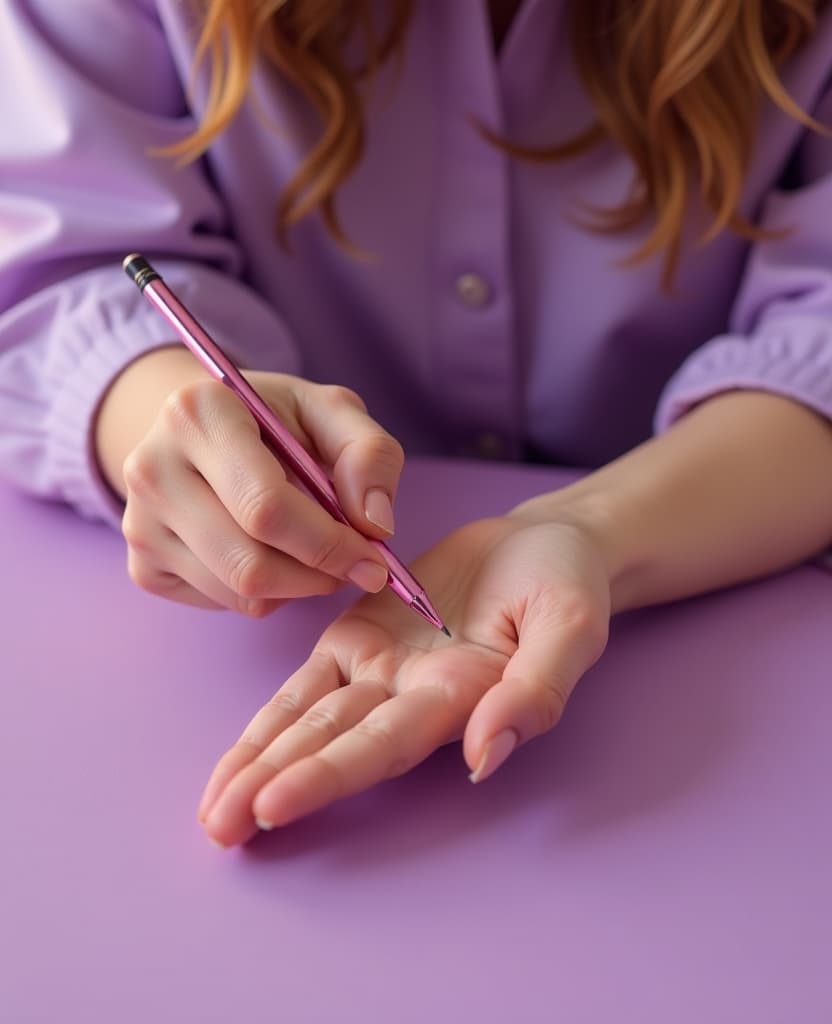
x: 555, y: 648
x: 366, y: 462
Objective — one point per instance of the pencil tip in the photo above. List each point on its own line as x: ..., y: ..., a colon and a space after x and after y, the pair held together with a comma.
x: 447, y: 632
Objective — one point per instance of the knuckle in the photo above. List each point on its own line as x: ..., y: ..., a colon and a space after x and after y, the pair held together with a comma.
x: 149, y: 579
x: 288, y: 702
x: 551, y: 705
x: 251, y: 608
x: 390, y: 451
x: 247, y: 574
x: 325, y: 556
x: 281, y: 711
x: 380, y: 736
x: 261, y: 513
x: 383, y: 451
x: 182, y: 407
x: 258, y: 608
x: 134, y: 535
x: 323, y: 721
x: 142, y: 473
x: 338, y: 394
x: 139, y: 571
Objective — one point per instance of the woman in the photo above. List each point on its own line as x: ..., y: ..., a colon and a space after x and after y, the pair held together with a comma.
x: 541, y: 230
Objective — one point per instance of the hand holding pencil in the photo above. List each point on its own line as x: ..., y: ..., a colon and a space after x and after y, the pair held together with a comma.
x: 212, y: 518
x: 279, y: 439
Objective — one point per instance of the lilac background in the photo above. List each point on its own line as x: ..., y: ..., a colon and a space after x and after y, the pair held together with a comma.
x: 664, y: 856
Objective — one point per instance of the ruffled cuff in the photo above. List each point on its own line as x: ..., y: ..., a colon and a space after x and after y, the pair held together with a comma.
x: 92, y: 357
x: 791, y: 356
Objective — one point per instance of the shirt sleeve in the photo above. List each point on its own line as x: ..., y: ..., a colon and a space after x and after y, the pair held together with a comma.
x: 78, y: 192
x: 780, y: 331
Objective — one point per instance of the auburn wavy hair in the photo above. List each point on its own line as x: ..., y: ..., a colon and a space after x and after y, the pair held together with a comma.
x: 678, y: 85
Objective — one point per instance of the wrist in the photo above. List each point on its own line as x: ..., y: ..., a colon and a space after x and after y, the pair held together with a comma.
x: 737, y: 489
x: 604, y: 519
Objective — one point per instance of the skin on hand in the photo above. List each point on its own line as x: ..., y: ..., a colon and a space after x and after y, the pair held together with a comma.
x: 528, y: 605
x: 211, y: 518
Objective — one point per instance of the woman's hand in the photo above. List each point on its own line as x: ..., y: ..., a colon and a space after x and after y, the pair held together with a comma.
x: 211, y: 518
x: 528, y: 604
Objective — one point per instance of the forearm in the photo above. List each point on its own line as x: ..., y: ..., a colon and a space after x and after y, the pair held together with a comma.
x: 740, y: 488
x: 132, y: 403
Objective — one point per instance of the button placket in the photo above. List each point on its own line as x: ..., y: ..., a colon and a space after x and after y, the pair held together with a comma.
x: 474, y: 357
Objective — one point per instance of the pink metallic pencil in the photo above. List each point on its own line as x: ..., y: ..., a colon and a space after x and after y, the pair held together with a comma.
x: 275, y: 435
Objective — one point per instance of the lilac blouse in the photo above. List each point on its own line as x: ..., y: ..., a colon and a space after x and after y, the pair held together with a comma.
x: 486, y: 321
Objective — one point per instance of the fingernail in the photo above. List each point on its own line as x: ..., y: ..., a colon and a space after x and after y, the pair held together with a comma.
x: 216, y: 842
x: 264, y: 826
x: 496, y: 751
x: 378, y: 510
x: 370, y: 576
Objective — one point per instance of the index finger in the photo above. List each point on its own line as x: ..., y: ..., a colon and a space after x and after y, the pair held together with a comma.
x: 229, y: 454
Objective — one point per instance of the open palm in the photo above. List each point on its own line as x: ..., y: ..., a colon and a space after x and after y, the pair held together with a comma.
x: 528, y: 607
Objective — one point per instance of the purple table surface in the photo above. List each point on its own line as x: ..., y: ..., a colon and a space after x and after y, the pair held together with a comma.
x: 662, y: 857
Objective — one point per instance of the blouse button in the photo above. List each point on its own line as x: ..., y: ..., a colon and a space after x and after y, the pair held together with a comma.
x: 473, y: 290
